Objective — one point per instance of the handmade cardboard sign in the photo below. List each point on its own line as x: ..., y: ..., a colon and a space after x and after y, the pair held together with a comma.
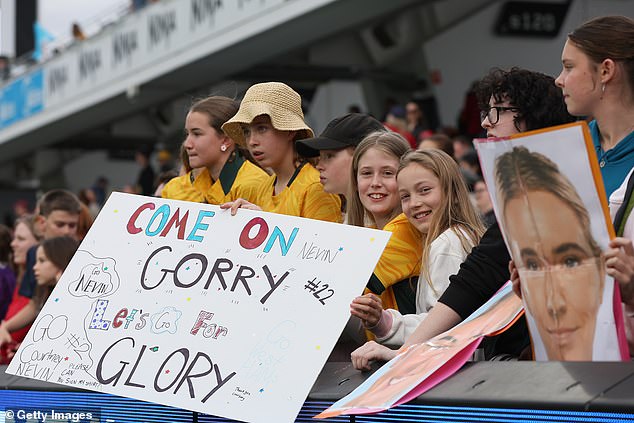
x: 549, y: 199
x: 185, y: 305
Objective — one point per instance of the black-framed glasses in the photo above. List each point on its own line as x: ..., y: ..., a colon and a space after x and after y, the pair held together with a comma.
x: 494, y: 113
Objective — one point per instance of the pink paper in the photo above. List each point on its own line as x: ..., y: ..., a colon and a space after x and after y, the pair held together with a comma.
x: 454, y: 364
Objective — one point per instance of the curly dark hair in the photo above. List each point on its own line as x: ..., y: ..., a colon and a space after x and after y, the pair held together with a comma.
x: 540, y: 102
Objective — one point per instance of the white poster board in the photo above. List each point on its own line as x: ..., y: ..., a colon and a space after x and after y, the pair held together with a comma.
x: 183, y: 304
x: 549, y: 200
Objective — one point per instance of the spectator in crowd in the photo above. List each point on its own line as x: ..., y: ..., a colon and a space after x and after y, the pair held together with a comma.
x: 597, y: 80
x: 138, y: 4
x: 100, y: 189
x: 461, y: 146
x: 374, y: 201
x: 129, y: 189
x: 53, y: 255
x: 162, y: 180
x: 84, y: 223
x: 5, y: 69
x: 416, y: 124
x: 77, y: 32
x: 396, y: 121
x: 59, y: 212
x: 24, y: 237
x: 89, y: 199
x: 469, y: 120
x: 20, y: 208
x: 335, y: 148
x: 165, y: 161
x: 438, y: 141
x: 145, y: 180
x: 470, y: 168
x: 7, y: 275
x: 225, y: 171
x: 470, y: 163
x: 269, y: 121
x: 483, y: 202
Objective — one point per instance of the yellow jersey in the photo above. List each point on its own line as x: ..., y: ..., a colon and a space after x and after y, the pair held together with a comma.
x: 396, y: 274
x: 303, y: 196
x: 182, y: 188
x: 239, y: 178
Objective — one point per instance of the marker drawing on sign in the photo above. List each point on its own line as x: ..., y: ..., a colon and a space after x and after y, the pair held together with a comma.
x: 97, y: 279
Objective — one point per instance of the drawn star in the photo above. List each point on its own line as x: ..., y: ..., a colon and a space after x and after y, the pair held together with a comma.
x: 371, y: 239
x: 116, y: 211
x: 340, y: 248
x: 187, y: 268
x: 189, y: 298
x: 167, y: 371
x: 56, y: 299
x: 261, y: 389
x: 105, y: 268
x: 318, y: 347
x: 65, y: 358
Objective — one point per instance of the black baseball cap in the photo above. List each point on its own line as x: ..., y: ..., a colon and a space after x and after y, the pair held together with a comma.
x: 343, y: 131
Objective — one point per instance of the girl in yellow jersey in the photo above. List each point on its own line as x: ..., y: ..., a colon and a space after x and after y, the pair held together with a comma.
x: 269, y: 121
x: 224, y: 173
x: 374, y: 201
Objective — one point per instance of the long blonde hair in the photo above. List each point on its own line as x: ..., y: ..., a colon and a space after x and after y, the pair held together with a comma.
x: 456, y: 211
x: 390, y: 143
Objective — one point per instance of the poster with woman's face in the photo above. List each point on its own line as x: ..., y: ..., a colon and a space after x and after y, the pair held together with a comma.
x: 550, y: 203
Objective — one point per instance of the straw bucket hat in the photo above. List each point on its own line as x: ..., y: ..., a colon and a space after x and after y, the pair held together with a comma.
x: 274, y: 99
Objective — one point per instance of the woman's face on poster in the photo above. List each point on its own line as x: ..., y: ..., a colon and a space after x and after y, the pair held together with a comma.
x: 562, y: 280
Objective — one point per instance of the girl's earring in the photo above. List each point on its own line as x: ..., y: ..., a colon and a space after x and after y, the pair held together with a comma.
x: 223, y: 148
x: 602, y: 90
